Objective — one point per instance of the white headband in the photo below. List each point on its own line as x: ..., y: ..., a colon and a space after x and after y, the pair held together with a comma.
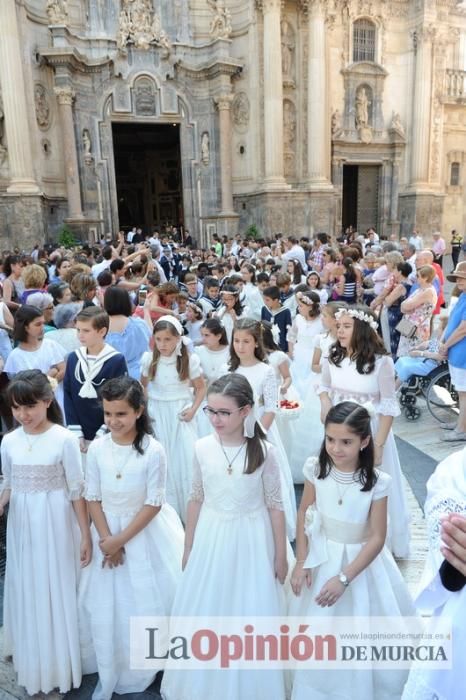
x: 360, y: 315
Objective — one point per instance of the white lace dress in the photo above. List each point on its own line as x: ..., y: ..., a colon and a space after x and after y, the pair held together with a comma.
x: 230, y: 571
x: 167, y: 397
x: 336, y: 534
x: 42, y: 567
x: 212, y: 365
x: 145, y: 584
x: 446, y: 493
x: 264, y: 385
x: 285, y: 426
x: 344, y: 383
x: 303, y: 334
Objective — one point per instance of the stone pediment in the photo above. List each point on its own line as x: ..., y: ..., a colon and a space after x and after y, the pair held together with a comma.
x: 365, y: 69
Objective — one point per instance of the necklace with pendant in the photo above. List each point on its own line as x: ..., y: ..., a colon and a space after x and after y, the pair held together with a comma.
x: 230, y: 461
x: 31, y: 443
x: 120, y: 464
x: 343, y: 479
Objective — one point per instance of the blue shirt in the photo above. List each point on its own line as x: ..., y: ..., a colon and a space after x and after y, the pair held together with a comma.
x: 457, y: 352
x: 132, y: 342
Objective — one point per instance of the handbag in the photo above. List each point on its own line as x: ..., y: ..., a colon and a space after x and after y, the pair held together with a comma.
x: 406, y: 328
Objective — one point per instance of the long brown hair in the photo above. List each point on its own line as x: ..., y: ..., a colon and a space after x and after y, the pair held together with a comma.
x: 182, y: 361
x: 254, y: 328
x: 237, y: 388
x: 366, y: 344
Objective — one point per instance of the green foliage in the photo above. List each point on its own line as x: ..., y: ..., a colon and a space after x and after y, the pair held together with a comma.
x: 66, y: 238
x: 252, y: 232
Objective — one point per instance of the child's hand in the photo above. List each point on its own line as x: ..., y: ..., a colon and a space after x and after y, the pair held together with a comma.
x: 83, y: 445
x: 115, y: 560
x: 281, y: 569
x: 86, y: 551
x: 187, y: 415
x: 110, y: 545
x: 378, y: 455
x: 330, y: 592
x: 283, y: 389
x: 298, y: 577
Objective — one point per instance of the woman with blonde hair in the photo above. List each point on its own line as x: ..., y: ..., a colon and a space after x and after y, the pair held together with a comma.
x: 34, y: 278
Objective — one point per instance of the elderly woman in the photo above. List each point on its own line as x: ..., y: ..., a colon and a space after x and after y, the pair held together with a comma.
x: 418, y: 309
x: 44, y: 302
x: 391, y: 313
x: 65, y: 333
x: 127, y: 334
x: 453, y: 347
x: 34, y: 278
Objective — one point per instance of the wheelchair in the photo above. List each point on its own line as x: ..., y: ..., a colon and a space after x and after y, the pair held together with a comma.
x: 438, y: 392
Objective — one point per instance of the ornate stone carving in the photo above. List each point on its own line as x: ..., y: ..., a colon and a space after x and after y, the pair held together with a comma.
x: 205, y: 148
x: 220, y: 25
x: 240, y: 111
x: 289, y: 137
x: 42, y: 105
x: 140, y: 25
x: 337, y: 124
x: 65, y: 95
x: 288, y: 53
x: 57, y: 11
x: 396, y: 125
x: 144, y: 96
x: 361, y: 108
x: 224, y: 101
x: 87, y: 147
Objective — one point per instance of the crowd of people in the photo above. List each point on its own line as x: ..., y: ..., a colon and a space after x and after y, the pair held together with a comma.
x: 173, y: 397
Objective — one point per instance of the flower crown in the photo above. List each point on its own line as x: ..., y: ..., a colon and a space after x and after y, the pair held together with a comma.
x: 304, y: 299
x: 360, y: 315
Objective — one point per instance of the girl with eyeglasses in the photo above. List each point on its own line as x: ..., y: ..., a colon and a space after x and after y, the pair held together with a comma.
x: 235, y: 559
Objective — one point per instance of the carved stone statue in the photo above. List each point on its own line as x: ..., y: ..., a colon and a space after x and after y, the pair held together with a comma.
x: 57, y: 11
x: 42, y: 106
x: 87, y: 146
x: 396, y: 125
x: 362, y: 108
x: 220, y: 26
x: 288, y: 49
x: 139, y: 24
x: 205, y: 148
x: 336, y: 124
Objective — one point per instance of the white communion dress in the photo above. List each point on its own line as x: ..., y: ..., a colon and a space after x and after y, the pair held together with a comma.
x: 264, y: 385
x: 43, y: 551
x: 337, y: 528
x: 230, y: 570
x: 212, y: 365
x: 303, y: 334
x: 446, y: 493
x: 344, y: 383
x: 167, y: 397
x: 145, y: 584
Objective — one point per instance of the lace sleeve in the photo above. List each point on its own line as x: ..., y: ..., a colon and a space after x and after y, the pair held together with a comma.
x: 197, y: 486
x: 6, y: 465
x: 325, y: 383
x: 442, y: 503
x: 292, y: 334
x: 388, y: 404
x: 311, y: 469
x: 156, y: 475
x: 271, y: 481
x: 270, y: 392
x: 72, y: 466
x: 92, y: 490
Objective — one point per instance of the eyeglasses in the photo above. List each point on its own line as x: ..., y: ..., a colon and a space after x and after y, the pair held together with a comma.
x: 210, y: 412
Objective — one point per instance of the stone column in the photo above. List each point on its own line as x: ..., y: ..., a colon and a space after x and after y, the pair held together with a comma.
x: 65, y: 97
x: 273, y: 96
x: 422, y: 39
x: 318, y: 136
x: 223, y: 103
x: 14, y: 102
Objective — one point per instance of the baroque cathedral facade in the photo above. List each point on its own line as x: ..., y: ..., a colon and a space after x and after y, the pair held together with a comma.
x: 295, y: 116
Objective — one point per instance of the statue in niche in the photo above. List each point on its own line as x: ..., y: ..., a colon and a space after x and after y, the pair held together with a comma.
x: 145, y: 97
x: 87, y: 146
x: 362, y: 109
x: 396, y: 125
x: 240, y: 110
x: 220, y: 25
x: 288, y: 49
x: 336, y: 124
x: 42, y: 107
x: 205, y: 148
x: 57, y: 11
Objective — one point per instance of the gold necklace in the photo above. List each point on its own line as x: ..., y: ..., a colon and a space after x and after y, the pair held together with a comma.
x: 31, y: 444
x: 119, y: 468
x: 230, y: 462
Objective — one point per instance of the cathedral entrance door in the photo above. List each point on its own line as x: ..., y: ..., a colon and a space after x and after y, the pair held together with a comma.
x: 360, y: 207
x: 148, y: 175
